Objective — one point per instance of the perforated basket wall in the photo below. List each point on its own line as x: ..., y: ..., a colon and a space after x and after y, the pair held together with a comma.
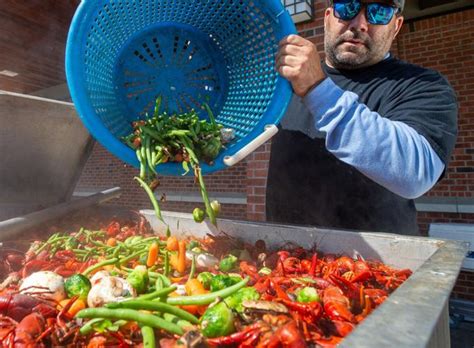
x: 122, y: 54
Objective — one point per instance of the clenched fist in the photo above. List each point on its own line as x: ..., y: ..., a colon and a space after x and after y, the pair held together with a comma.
x: 298, y: 61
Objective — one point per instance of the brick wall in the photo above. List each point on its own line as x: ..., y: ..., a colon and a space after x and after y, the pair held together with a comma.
x: 464, y: 288
x: 446, y: 43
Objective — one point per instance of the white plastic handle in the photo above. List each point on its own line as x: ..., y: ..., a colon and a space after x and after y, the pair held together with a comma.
x: 268, y: 133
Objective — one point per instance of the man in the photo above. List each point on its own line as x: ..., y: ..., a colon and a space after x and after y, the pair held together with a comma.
x: 365, y: 133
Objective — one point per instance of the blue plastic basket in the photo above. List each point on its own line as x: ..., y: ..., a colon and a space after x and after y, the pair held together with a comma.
x: 122, y: 54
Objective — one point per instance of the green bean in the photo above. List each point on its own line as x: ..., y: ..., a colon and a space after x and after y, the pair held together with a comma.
x: 156, y: 111
x: 154, y: 294
x: 193, y: 268
x: 148, y: 155
x: 131, y: 257
x: 205, y: 198
x: 142, y: 162
x: 154, y: 157
x: 116, y: 252
x: 211, y: 115
x: 143, y: 151
x: 166, y: 270
x: 178, y: 132
x: 98, y: 244
x: 189, y: 148
x: 148, y: 335
x: 151, y: 196
x: 131, y: 315
x: 155, y: 306
x: 99, y: 265
x: 81, y: 231
x: 154, y: 134
x: 88, y: 327
x: 206, y: 298
x: 184, y: 324
x: 79, y: 251
x: 49, y: 242
x: 147, y: 241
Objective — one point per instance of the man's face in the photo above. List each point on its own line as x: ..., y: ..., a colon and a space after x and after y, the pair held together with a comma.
x: 356, y: 43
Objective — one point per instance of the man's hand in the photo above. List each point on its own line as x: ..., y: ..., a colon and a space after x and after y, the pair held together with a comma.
x: 298, y: 61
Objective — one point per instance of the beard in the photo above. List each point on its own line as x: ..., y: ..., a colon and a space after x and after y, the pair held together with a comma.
x: 350, y: 56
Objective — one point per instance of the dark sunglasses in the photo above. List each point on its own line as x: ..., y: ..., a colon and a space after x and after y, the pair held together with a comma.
x: 376, y: 13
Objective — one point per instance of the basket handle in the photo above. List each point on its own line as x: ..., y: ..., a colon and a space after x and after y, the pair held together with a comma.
x: 269, y: 131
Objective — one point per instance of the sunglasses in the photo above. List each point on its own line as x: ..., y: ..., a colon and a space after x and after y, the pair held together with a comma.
x: 376, y: 13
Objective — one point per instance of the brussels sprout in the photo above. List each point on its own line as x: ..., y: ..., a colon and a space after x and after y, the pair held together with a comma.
x: 198, y: 215
x: 307, y: 294
x: 205, y: 279
x: 220, y: 281
x: 245, y: 294
x: 139, y: 279
x: 228, y: 263
x: 77, y: 285
x: 217, y: 321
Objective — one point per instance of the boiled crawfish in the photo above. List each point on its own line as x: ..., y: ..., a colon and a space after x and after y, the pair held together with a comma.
x: 271, y: 331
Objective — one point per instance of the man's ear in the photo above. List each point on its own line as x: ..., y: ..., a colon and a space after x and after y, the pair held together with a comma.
x: 327, y: 13
x: 398, y: 25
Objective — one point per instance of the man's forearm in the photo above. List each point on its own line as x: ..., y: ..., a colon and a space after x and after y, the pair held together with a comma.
x: 390, y: 153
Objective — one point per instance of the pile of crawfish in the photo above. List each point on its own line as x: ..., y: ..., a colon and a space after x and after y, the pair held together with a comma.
x: 343, y: 291
x: 348, y: 290
x: 34, y: 319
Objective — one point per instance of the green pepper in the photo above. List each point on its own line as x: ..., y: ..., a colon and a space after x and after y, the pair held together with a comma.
x: 216, y: 207
x: 198, y: 215
x: 77, y: 285
x: 217, y: 321
x: 212, y: 148
x: 205, y: 279
x: 139, y: 279
x: 307, y: 294
x: 245, y: 294
x: 228, y: 263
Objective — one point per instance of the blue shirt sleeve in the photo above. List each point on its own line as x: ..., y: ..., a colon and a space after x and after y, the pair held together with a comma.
x: 391, y: 153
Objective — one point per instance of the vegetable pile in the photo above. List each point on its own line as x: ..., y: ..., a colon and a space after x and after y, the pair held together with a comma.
x: 182, y: 138
x: 122, y: 285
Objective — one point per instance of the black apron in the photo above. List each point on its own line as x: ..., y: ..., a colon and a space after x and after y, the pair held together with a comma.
x: 307, y: 185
